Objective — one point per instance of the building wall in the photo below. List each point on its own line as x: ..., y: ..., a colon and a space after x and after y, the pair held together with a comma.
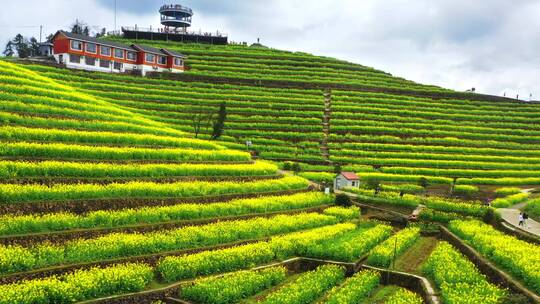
x: 341, y: 182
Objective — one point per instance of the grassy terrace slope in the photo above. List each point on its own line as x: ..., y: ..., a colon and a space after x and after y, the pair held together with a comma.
x: 383, y: 133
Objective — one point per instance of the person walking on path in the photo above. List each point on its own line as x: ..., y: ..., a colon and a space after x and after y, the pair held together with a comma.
x: 521, y: 219
x: 525, y: 220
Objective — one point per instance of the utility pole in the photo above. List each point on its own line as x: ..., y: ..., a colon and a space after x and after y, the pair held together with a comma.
x: 115, y: 15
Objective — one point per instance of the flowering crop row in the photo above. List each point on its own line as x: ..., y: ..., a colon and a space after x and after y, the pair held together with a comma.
x: 518, y: 257
x: 355, y: 289
x: 118, y: 245
x: 55, y: 169
x: 79, y: 285
x: 241, y: 257
x: 383, y: 254
x: 81, y: 152
x: 351, y: 246
x: 13, y: 194
x: 458, y: 279
x: 308, y: 287
x: 231, y: 288
x: 23, y: 224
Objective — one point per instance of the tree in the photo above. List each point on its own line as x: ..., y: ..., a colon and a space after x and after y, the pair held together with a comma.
x: 337, y: 168
x: 102, y: 33
x: 374, y: 184
x: 22, y: 46
x: 81, y: 28
x: 219, y: 124
x: 34, y: 47
x: 343, y: 200
x: 8, y: 51
x: 201, y: 120
x: 423, y: 182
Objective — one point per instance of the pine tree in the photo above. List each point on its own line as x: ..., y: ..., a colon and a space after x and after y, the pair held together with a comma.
x: 79, y: 27
x: 34, y: 46
x: 22, y: 46
x: 219, y: 124
x: 8, y: 51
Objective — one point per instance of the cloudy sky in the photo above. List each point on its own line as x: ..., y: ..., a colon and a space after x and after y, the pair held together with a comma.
x: 492, y: 45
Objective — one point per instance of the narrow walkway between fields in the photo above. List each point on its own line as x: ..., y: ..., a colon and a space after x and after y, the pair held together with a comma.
x: 511, y: 216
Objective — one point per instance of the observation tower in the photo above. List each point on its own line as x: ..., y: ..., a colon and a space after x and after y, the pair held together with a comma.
x: 175, y: 19
x: 176, y: 16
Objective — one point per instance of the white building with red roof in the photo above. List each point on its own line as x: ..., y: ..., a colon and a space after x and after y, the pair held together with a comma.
x: 88, y: 53
x: 346, y: 179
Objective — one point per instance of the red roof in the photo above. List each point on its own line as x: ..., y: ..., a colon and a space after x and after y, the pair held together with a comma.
x: 350, y: 175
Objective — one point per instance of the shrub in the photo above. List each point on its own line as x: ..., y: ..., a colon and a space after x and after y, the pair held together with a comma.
x: 343, y: 200
x: 465, y: 190
x: 506, y: 191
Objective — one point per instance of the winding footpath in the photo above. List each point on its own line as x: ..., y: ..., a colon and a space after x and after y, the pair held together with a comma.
x: 511, y: 216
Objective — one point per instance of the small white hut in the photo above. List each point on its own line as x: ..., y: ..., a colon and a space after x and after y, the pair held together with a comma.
x: 346, y: 179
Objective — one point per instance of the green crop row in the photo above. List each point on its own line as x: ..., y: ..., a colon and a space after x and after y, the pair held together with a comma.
x: 500, y: 162
x: 28, y: 120
x: 308, y: 287
x: 14, y: 194
x: 510, y: 200
x: 120, y: 245
x: 351, y: 111
x: 389, y: 250
x: 391, y: 198
x: 434, y: 141
x: 458, y: 278
x: 231, y: 288
x: 467, y: 208
x: 519, y: 258
x: 355, y: 289
x: 533, y: 207
x: 433, y: 111
x: 506, y: 191
x: 367, y: 146
x: 32, y: 223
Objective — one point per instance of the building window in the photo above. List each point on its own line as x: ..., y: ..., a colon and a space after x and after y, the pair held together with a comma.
x: 104, y: 63
x: 76, y: 45
x: 132, y: 56
x: 74, y: 58
x: 90, y: 60
x: 150, y: 58
x: 119, y: 53
x: 178, y: 62
x: 91, y: 48
x: 105, y: 50
x: 118, y: 65
x: 162, y: 60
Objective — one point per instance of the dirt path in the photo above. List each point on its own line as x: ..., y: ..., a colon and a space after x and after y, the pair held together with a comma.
x: 412, y: 259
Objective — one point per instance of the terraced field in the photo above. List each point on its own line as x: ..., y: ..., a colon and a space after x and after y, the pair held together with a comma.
x: 107, y: 195
x: 382, y: 127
